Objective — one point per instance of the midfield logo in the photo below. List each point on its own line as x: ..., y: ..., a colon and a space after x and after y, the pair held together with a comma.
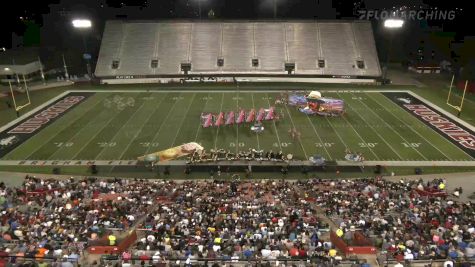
x: 119, y: 102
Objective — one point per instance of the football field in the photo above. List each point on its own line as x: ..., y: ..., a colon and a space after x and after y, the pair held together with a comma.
x: 122, y: 125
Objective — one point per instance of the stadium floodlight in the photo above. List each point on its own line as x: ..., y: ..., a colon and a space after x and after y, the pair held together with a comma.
x: 82, y: 23
x: 390, y: 24
x: 393, y: 23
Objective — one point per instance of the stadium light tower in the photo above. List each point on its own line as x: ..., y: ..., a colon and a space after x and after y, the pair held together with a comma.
x: 391, y: 24
x: 199, y: 8
x: 84, y: 25
x: 275, y: 9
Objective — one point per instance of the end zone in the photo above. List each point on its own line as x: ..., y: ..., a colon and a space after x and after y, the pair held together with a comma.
x: 14, y: 134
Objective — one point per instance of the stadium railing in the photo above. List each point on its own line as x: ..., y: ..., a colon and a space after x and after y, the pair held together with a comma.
x: 15, y: 260
x: 299, y: 261
x: 422, y: 262
x: 360, y: 244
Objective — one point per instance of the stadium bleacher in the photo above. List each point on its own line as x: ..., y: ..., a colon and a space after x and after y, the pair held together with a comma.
x: 327, y: 49
x: 264, y: 220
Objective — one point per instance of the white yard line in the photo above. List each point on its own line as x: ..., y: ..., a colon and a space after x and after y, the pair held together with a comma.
x: 183, y: 120
x: 321, y: 141
x: 80, y: 131
x: 293, y: 125
x: 119, y: 130
x: 275, y: 127
x: 337, y: 134
x: 55, y: 135
x: 358, y: 134
x: 217, y: 130
x: 397, y: 133
x: 377, y: 133
x: 237, y: 125
x: 140, y: 131
x: 199, y: 124
x: 85, y: 144
x: 410, y: 127
x: 425, y: 101
x: 257, y: 135
x: 163, y: 122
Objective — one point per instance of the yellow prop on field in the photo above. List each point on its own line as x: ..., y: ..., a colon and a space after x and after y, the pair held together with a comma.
x: 171, y: 153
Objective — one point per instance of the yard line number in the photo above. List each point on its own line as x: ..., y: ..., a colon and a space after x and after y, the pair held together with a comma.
x: 410, y: 145
x: 370, y: 145
x: 107, y: 144
x: 283, y: 144
x: 240, y: 144
x: 324, y: 144
x: 64, y: 144
x: 149, y: 144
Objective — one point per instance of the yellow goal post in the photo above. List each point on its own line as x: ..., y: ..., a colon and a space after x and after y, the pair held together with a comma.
x: 449, y: 96
x: 17, y: 106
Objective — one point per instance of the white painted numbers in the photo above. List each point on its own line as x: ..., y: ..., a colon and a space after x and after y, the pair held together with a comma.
x: 240, y: 144
x: 107, y: 144
x: 64, y: 144
x: 149, y: 144
x: 369, y: 145
x: 283, y: 144
x: 410, y: 145
x: 324, y: 144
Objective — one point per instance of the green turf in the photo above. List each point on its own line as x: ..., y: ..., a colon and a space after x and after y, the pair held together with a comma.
x: 373, y: 125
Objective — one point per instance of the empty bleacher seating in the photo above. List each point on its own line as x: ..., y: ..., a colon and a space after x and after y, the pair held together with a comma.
x: 243, y: 47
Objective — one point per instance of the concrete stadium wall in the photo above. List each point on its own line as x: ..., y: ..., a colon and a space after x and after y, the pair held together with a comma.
x: 244, y: 79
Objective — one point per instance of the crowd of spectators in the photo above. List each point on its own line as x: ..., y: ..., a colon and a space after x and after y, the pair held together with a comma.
x: 58, y: 218
x: 231, y: 220
x: 407, y: 220
x: 266, y: 220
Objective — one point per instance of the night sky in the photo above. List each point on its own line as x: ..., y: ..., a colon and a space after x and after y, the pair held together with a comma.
x: 51, y: 19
